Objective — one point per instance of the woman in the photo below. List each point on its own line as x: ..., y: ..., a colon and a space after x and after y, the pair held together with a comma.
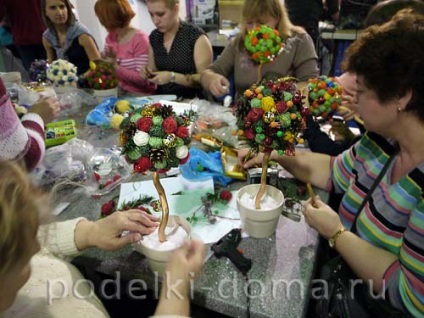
x: 126, y: 47
x: 56, y: 288
x: 65, y: 38
x: 386, y: 249
x: 299, y: 58
x: 178, y: 51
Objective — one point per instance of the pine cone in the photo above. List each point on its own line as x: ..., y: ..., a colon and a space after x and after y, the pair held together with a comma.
x: 165, y: 111
x: 157, y: 155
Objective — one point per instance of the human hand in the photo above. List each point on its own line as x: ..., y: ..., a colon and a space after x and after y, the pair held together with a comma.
x: 145, y: 72
x: 184, y: 264
x: 248, y: 158
x: 47, y: 107
x: 322, y: 218
x: 106, y: 233
x: 160, y: 78
x: 217, y: 84
x: 349, y: 108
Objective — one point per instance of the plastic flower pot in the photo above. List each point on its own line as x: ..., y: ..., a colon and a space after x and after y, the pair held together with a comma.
x: 158, y: 257
x: 102, y: 94
x: 259, y: 223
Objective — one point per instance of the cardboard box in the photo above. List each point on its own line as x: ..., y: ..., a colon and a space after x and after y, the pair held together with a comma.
x: 203, y: 12
x: 229, y: 13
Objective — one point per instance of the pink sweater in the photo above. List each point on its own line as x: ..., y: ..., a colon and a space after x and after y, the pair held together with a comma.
x: 20, y: 139
x: 131, y: 56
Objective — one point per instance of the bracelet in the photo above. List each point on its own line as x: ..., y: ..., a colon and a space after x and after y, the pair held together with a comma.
x: 332, y: 240
x: 172, y: 77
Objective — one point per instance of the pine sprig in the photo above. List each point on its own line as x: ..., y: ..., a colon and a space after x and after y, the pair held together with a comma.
x: 144, y: 199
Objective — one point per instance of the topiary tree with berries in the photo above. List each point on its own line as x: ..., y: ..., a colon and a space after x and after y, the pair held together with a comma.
x: 155, y: 139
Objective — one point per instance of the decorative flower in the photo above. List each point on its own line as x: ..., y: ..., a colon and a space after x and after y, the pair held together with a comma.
x: 324, y: 95
x: 263, y: 43
x: 38, y: 71
x: 102, y: 75
x: 62, y: 73
x: 270, y: 115
x: 154, y: 138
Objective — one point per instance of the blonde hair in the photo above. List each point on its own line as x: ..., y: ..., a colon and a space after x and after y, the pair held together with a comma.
x: 252, y: 9
x: 169, y: 3
x: 21, y: 204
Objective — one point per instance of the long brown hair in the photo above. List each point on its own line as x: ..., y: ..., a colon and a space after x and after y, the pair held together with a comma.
x: 69, y: 7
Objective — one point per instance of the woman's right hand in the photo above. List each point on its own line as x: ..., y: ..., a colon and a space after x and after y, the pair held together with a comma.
x: 145, y: 72
x: 348, y: 109
x: 48, y: 108
x: 217, y: 84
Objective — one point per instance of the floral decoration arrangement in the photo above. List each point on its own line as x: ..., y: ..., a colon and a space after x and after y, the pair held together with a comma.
x: 263, y: 43
x: 324, y: 95
x: 102, y: 75
x: 62, y: 73
x: 38, y: 71
x: 155, y: 139
x: 270, y: 116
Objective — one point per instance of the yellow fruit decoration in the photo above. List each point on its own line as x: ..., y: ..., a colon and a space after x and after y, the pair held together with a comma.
x: 116, y: 120
x: 122, y: 106
x: 92, y: 65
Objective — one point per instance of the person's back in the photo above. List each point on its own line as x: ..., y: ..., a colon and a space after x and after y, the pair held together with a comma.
x: 305, y: 13
x: 27, y: 27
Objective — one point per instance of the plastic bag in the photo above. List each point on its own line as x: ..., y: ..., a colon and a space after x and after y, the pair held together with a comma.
x: 102, y: 113
x: 96, y: 170
x: 202, y: 165
x: 215, y: 122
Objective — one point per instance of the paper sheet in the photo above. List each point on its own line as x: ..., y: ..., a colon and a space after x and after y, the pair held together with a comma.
x: 184, y: 199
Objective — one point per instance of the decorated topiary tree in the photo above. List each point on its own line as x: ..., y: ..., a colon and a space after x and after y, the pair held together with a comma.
x: 270, y: 116
x: 264, y: 44
x: 324, y: 95
x: 155, y: 139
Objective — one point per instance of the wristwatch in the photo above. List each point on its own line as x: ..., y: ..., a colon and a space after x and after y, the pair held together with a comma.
x: 332, y: 240
x: 172, y: 77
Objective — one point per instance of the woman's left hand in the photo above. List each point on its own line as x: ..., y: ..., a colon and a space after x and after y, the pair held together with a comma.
x: 160, y: 78
x: 106, y: 233
x: 322, y: 218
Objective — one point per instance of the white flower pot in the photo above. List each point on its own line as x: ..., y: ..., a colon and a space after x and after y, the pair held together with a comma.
x: 102, y: 94
x: 259, y: 223
x: 158, y: 257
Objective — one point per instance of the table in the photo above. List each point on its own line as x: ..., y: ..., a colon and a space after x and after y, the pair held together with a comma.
x: 283, y: 265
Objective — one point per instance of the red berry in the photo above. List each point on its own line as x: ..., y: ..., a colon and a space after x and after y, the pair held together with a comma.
x: 116, y: 177
x: 108, y: 208
x: 96, y: 176
x: 225, y: 195
x: 108, y: 183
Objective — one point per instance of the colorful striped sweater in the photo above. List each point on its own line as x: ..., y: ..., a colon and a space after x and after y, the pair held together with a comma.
x: 393, y: 218
x: 20, y: 139
x: 131, y: 56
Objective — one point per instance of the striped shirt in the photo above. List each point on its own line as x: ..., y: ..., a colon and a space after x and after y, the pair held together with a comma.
x: 131, y: 56
x: 20, y: 139
x: 393, y: 218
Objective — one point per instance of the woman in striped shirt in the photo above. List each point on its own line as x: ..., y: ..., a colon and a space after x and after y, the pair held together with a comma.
x: 386, y: 250
x: 126, y: 46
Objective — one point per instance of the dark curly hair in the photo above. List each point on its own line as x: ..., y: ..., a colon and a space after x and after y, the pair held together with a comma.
x: 390, y: 58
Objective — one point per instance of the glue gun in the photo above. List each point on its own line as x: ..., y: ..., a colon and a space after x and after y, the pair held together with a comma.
x: 227, y: 247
